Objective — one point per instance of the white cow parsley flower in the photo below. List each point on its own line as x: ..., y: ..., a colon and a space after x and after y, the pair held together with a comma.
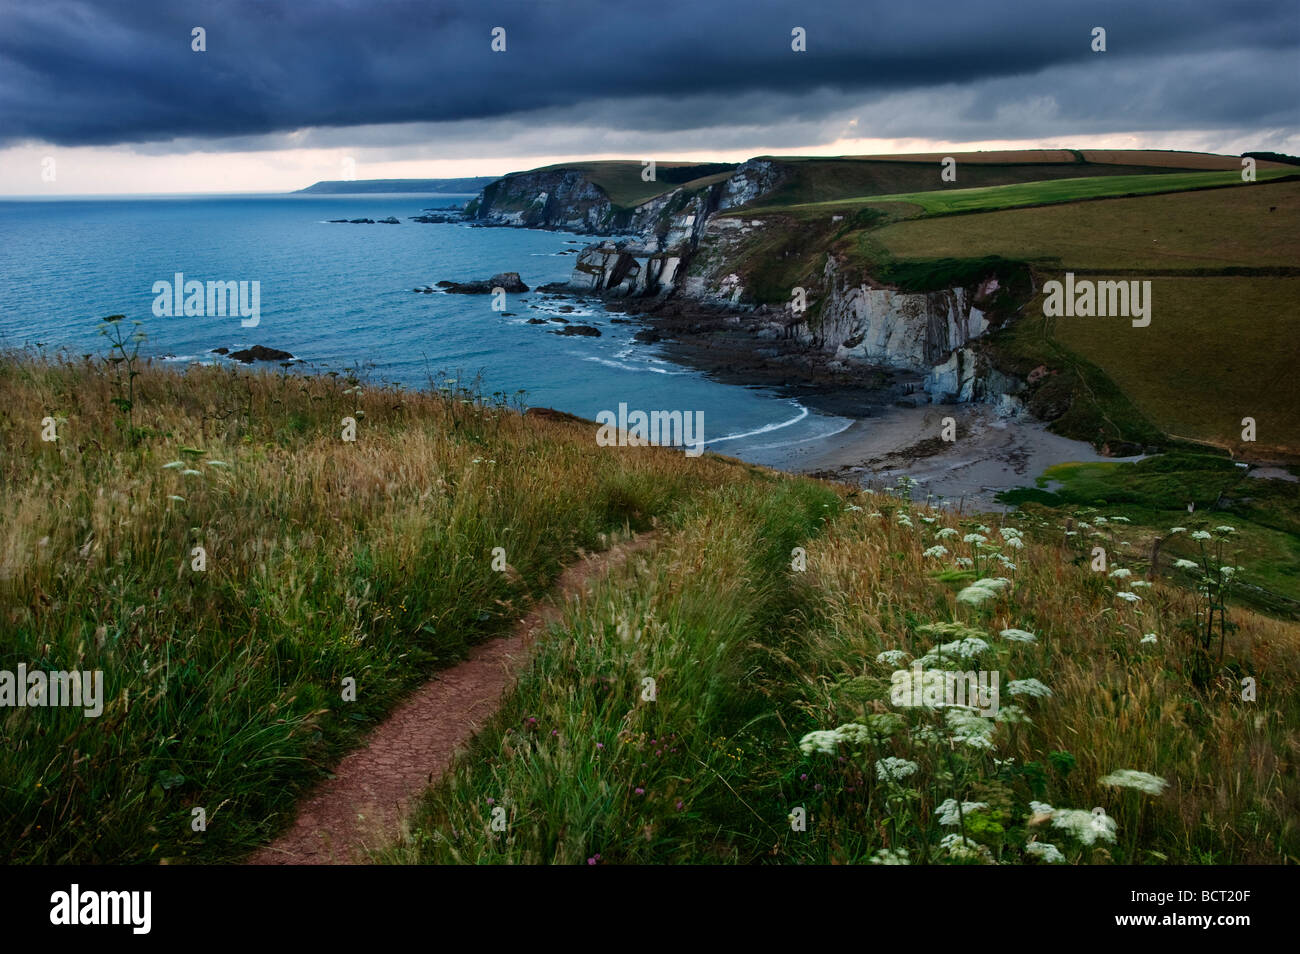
x: 894, y: 769
x: 948, y: 814
x: 890, y: 856
x: 963, y: 849
x: 1018, y: 636
x: 1087, y: 827
x: 1132, y: 778
x: 1028, y: 687
x: 969, y: 728
x: 1044, y: 852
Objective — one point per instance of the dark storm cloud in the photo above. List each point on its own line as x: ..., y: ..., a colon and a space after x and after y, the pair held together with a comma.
x: 76, y: 73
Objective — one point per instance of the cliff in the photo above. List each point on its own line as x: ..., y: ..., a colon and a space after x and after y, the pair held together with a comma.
x: 679, y: 247
x: 557, y: 199
x: 602, y: 198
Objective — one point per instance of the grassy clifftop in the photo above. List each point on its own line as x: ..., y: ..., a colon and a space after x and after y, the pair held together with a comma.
x: 322, y: 559
x: 771, y: 609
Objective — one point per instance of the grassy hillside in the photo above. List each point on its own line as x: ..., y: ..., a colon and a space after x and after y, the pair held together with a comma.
x: 325, y: 560
x: 938, y: 201
x: 772, y: 735
x: 1153, y: 495
x: 1251, y: 227
x: 854, y: 180
x: 814, y: 179
x: 372, y: 559
x: 1211, y: 359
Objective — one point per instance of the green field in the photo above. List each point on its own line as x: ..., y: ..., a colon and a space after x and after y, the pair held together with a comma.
x: 940, y: 201
x: 1254, y: 227
x: 1153, y: 495
x: 813, y: 180
x: 1218, y: 350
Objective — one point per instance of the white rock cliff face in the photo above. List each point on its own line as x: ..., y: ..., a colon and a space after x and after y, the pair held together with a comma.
x: 910, y: 330
x: 924, y: 332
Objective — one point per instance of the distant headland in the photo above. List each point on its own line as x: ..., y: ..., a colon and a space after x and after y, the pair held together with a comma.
x: 473, y: 184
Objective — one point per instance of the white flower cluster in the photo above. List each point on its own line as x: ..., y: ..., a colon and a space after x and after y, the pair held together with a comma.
x: 969, y: 728
x: 827, y: 741
x: 1028, y: 687
x: 960, y: 848
x: 1044, y: 852
x: 948, y: 814
x: 1018, y: 636
x: 967, y: 648
x: 938, y: 550
x: 893, y: 769
x: 890, y: 856
x: 982, y: 590
x: 1087, y: 827
x: 1132, y: 778
x: 1011, y: 715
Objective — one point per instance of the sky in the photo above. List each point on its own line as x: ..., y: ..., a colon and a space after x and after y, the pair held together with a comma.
x: 114, y: 97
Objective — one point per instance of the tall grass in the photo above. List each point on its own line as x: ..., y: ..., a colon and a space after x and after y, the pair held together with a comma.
x: 325, y: 560
x: 589, y: 763
x: 751, y: 658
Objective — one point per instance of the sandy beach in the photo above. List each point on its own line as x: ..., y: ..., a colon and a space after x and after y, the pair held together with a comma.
x: 990, y: 454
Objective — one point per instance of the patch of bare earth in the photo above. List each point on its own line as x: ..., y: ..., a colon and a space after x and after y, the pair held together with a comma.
x: 363, y: 804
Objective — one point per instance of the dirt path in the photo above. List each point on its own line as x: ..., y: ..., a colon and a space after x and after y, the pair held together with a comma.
x: 373, y: 787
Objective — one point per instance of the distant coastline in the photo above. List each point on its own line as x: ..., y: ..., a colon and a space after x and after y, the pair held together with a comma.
x: 472, y: 184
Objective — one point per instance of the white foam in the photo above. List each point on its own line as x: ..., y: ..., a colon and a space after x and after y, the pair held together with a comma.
x: 803, y: 413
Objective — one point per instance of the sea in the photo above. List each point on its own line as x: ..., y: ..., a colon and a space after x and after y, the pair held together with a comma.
x: 340, y: 297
